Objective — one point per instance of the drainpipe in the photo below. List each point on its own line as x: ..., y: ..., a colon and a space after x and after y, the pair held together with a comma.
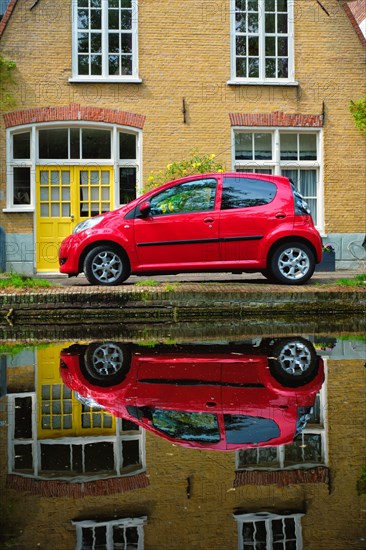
x: 2, y: 250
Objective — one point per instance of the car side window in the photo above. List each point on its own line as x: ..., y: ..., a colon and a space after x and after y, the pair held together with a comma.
x: 191, y: 196
x: 239, y: 192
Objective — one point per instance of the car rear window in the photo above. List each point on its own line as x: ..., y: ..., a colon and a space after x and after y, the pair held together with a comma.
x: 239, y: 192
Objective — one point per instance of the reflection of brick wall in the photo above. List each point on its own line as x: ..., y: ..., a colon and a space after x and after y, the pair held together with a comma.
x: 53, y: 489
x: 320, y: 474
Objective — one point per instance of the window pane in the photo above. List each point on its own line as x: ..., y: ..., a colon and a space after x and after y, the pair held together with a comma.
x: 127, y: 185
x: 308, y: 183
x: 244, y: 146
x: 21, y: 185
x: 263, y: 146
x: 194, y: 196
x: 288, y: 146
x: 308, y: 147
x: 96, y: 144
x: 127, y: 146
x: 53, y: 144
x: 55, y: 457
x: 130, y: 453
x: 242, y: 192
x: 99, y: 457
x: 21, y: 145
x: 23, y: 457
x: 23, y: 418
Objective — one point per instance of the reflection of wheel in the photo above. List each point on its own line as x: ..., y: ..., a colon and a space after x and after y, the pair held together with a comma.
x: 107, y: 363
x: 105, y: 265
x: 293, y: 362
x: 292, y: 263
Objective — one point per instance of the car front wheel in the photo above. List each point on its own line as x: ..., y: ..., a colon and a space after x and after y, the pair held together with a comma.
x: 106, y: 363
x: 292, y: 264
x: 294, y: 362
x: 105, y: 265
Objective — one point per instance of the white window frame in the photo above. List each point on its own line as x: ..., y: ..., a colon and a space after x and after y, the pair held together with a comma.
x: 105, y: 77
x: 125, y: 523
x: 117, y: 441
x: 34, y: 160
x: 290, y: 80
x: 277, y: 165
x: 268, y: 518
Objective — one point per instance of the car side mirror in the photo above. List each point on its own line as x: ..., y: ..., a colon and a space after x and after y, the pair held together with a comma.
x: 145, y: 208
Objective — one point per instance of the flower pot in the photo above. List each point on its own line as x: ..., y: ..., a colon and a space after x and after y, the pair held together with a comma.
x: 327, y: 263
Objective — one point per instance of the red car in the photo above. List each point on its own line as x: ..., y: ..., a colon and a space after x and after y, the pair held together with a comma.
x: 220, y: 397
x: 231, y: 222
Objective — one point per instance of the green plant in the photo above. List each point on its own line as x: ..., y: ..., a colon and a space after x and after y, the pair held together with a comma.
x: 148, y: 282
x: 7, y: 67
x: 197, y: 163
x: 358, y: 280
x: 358, y: 111
x: 15, y: 280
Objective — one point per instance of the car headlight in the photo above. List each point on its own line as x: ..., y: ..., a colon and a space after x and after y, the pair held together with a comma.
x: 87, y: 224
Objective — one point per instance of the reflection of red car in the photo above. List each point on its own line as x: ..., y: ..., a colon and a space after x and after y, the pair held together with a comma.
x: 220, y: 397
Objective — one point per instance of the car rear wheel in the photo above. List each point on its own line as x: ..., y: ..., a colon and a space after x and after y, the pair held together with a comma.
x: 105, y: 265
x: 292, y: 264
x: 107, y: 363
x: 293, y: 362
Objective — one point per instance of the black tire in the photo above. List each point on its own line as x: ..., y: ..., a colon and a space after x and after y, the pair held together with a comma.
x: 106, y: 363
x: 107, y: 266
x: 292, y: 263
x: 293, y: 361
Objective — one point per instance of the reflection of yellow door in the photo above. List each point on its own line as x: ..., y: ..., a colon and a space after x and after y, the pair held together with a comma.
x: 59, y: 413
x: 67, y: 195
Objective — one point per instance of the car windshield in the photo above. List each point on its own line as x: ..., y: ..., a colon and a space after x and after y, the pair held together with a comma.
x: 249, y: 429
x: 188, y: 426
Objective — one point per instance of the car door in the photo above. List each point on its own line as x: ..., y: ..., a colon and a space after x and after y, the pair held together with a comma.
x: 251, y: 208
x: 181, y: 229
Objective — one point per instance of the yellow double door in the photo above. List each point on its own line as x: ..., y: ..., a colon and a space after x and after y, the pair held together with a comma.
x: 67, y: 195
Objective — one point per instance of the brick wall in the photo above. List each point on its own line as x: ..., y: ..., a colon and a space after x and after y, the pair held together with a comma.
x: 185, y: 53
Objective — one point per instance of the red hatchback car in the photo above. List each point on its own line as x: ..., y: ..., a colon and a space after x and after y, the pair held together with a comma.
x: 229, y: 222
x: 219, y: 397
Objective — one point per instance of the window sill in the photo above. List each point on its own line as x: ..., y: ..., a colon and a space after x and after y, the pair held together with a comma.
x: 98, y: 80
x: 12, y: 210
x: 252, y: 82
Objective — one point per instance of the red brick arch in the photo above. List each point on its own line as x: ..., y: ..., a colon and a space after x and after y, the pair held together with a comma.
x: 74, y: 112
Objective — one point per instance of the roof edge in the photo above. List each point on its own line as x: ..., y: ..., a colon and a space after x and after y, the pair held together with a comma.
x: 6, y: 16
x: 354, y: 23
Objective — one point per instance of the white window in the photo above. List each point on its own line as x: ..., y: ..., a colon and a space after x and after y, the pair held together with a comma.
x: 262, y: 42
x: 125, y: 534
x: 105, y: 40
x: 268, y: 530
x: 308, y: 449
x: 74, y: 144
x: 70, y: 458
x: 294, y: 153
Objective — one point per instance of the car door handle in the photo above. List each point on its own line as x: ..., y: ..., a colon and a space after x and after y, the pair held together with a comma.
x: 208, y: 220
x: 211, y: 404
x: 280, y: 215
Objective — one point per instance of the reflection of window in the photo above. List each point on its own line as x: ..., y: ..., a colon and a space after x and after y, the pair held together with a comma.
x: 22, y: 185
x: 105, y: 39
x: 249, y: 429
x: 119, y: 451
x: 127, y: 185
x: 74, y: 143
x: 262, y: 40
x: 188, y: 426
x: 294, y: 154
x: 308, y: 449
x: 193, y: 196
x: 244, y: 192
x: 267, y: 530
x: 124, y: 534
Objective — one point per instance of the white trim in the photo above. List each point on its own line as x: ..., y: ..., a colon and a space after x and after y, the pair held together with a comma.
x: 278, y: 165
x: 104, y: 77
x: 267, y: 518
x: 261, y: 80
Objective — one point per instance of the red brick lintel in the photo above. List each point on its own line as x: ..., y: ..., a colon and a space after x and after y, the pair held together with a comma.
x: 54, y: 488
x: 319, y: 474
x: 71, y: 113
x: 277, y: 119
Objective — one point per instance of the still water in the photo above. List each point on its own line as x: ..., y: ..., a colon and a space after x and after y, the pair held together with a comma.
x: 254, y: 443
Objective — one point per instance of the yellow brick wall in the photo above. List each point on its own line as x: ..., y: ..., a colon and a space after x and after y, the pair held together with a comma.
x: 184, y: 52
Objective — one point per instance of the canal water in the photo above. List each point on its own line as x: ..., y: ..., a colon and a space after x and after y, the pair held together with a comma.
x: 179, y: 444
